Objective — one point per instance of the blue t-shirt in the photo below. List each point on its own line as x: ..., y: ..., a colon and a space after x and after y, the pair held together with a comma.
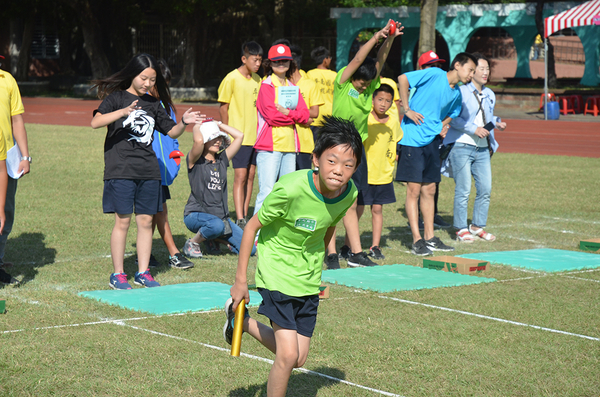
x: 435, y: 100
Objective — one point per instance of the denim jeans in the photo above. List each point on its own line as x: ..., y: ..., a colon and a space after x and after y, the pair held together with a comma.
x: 269, y: 167
x: 467, y: 160
x: 211, y: 227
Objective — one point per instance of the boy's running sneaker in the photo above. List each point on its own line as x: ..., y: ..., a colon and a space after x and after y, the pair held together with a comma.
x: 332, y: 261
x: 439, y: 222
x: 420, y: 248
x: 153, y: 262
x: 360, y: 260
x: 118, y: 281
x: 145, y: 279
x: 375, y: 253
x: 435, y: 244
x: 178, y: 261
x: 230, y: 314
x: 344, y: 252
x: 191, y: 249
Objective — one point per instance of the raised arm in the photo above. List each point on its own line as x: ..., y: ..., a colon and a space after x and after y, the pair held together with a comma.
x: 197, y: 146
x: 236, y: 144
x: 188, y: 117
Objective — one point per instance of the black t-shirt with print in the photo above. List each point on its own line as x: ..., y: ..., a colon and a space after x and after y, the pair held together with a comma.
x: 128, y: 152
x: 208, y: 182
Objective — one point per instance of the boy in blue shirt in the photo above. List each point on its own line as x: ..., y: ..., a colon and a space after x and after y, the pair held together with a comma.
x: 296, y: 222
x: 436, y: 101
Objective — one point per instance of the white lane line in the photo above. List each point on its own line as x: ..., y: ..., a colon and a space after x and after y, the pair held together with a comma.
x: 581, y: 278
x: 491, y: 318
x: 266, y: 360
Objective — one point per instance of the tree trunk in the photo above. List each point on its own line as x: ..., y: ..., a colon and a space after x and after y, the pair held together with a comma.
x: 427, y: 31
x: 539, y: 23
x: 90, y: 27
x: 22, y: 70
x: 188, y: 78
x: 279, y: 19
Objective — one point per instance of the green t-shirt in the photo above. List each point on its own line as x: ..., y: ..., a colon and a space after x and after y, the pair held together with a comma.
x: 350, y: 105
x: 295, y: 218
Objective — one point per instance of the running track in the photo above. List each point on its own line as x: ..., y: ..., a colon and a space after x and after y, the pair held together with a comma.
x: 530, y: 135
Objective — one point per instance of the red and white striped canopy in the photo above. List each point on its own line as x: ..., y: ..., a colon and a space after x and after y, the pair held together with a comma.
x: 584, y: 14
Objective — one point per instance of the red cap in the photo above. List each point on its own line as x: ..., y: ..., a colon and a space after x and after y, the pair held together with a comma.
x: 428, y: 58
x: 1, y: 56
x: 280, y: 52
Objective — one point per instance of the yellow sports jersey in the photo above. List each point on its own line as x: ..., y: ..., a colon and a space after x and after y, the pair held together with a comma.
x: 380, y: 148
x: 324, y: 79
x: 312, y: 97
x: 393, y: 112
x: 10, y: 105
x: 241, y: 93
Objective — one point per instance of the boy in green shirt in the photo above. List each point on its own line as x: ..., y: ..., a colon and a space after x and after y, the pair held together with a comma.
x: 296, y: 222
x: 352, y: 100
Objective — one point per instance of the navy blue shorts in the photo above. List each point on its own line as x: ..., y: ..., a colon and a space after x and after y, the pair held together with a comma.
x: 361, y: 175
x: 303, y: 161
x: 128, y: 196
x: 166, y: 194
x: 420, y: 164
x: 245, y: 157
x: 290, y: 312
x: 377, y: 194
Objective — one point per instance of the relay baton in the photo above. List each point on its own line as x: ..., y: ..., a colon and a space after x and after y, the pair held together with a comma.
x: 238, y: 327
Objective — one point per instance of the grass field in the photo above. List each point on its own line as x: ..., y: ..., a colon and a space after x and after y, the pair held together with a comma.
x: 54, y: 342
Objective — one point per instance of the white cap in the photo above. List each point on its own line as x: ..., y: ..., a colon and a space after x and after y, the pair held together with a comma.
x: 210, y: 130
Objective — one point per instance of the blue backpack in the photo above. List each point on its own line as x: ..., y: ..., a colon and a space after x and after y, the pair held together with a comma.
x: 168, y: 155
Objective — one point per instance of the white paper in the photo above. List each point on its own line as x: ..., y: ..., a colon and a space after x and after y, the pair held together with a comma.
x: 13, y: 159
x: 288, y: 96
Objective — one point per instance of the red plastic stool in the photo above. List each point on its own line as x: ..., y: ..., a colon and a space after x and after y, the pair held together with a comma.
x: 551, y: 98
x: 592, y: 104
x: 566, y: 104
x: 577, y: 103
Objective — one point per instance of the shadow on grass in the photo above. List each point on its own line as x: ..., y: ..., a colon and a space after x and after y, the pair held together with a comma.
x: 299, y: 385
x: 28, y: 252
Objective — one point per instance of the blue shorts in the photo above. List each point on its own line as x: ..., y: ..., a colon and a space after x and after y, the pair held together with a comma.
x: 377, y: 194
x: 290, y: 312
x: 245, y: 157
x: 166, y: 193
x: 361, y: 175
x: 420, y: 164
x: 128, y: 196
x: 303, y: 161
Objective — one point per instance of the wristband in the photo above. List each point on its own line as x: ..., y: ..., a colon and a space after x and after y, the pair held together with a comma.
x: 184, y: 123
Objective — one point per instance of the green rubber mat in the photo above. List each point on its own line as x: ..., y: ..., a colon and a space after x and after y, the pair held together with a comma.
x: 545, y: 259
x: 398, y: 278
x: 177, y: 298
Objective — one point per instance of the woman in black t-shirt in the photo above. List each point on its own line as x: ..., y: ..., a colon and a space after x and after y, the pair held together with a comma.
x: 132, y: 182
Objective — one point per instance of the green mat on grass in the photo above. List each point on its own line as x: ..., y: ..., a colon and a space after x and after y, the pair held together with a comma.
x: 398, y: 278
x: 177, y: 298
x: 546, y: 259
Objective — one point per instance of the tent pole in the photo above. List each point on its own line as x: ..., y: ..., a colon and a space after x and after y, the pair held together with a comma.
x: 545, y: 78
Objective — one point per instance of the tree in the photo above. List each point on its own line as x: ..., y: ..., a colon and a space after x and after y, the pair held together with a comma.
x: 427, y: 29
x: 539, y: 23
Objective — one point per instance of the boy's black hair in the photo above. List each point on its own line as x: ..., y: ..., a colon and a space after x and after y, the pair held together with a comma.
x: 463, y: 58
x: 281, y: 41
x: 319, y: 54
x: 367, y: 71
x: 335, y: 132
x: 297, y: 55
x: 251, y: 48
x: 384, y: 88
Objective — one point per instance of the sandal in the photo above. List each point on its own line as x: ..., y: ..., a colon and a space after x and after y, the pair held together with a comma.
x: 465, y: 236
x: 482, y: 234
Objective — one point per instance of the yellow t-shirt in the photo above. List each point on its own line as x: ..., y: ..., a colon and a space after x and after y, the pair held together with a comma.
x: 241, y: 93
x: 312, y: 97
x: 10, y: 105
x: 380, y: 148
x: 393, y: 112
x: 324, y: 79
